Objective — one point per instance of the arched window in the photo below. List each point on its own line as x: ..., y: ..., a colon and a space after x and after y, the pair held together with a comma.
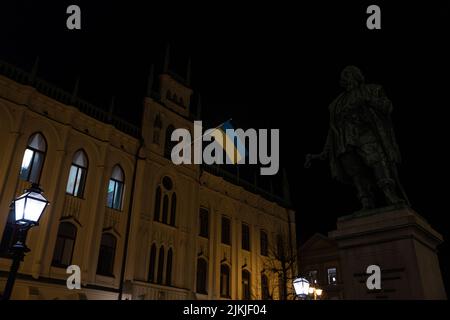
x: 152, y: 264
x: 115, y: 188
x: 224, y: 281
x: 265, y: 294
x: 77, y: 174
x: 157, y: 204
x: 65, y: 243
x: 165, y: 209
x: 202, y: 275
x: 159, y: 277
x: 246, y: 285
x: 169, y: 144
x: 169, y: 267
x: 106, y: 255
x: 33, y: 159
x: 173, y: 209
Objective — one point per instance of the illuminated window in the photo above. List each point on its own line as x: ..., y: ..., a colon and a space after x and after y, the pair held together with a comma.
x: 33, y: 159
x: 77, y: 175
x: 332, y: 276
x: 115, y: 189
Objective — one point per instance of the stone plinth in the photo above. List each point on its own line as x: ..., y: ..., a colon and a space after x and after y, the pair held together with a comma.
x: 401, y: 243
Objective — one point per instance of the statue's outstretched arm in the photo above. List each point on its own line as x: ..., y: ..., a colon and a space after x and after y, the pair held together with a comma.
x: 321, y: 156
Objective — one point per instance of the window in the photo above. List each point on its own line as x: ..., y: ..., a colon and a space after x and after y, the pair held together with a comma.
x: 202, y: 274
x: 77, y: 175
x: 265, y: 294
x: 169, y: 144
x: 159, y: 277
x: 173, y: 209
x: 245, y: 237
x: 65, y: 243
x: 169, y: 267
x: 165, y: 209
x: 115, y: 189
x: 33, y: 159
x: 226, y: 230
x: 152, y: 264
x: 157, y: 204
x: 224, y: 281
x: 246, y: 288
x: 264, y: 243
x: 204, y: 223
x: 107, y: 255
x: 165, y: 213
x: 332, y: 275
x: 313, y: 276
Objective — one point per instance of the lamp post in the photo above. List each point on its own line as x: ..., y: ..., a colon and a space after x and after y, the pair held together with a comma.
x: 301, y: 287
x: 28, y: 209
x: 316, y: 292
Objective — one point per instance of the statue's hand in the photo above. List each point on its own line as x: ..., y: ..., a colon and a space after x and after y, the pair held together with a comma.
x: 309, y: 157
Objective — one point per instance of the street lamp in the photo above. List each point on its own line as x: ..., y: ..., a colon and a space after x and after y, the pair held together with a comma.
x: 316, y: 292
x: 28, y: 209
x: 301, y: 287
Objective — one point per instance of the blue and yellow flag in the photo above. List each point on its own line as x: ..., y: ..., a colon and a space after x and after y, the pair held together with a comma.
x: 230, y: 142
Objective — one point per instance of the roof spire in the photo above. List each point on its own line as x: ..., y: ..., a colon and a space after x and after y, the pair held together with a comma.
x: 34, y: 70
x: 150, y: 80
x: 199, y: 107
x: 111, y: 109
x: 75, y: 90
x: 188, y: 72
x: 166, y: 58
x: 286, y: 190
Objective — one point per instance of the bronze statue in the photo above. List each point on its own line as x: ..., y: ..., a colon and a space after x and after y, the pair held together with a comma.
x: 361, y: 145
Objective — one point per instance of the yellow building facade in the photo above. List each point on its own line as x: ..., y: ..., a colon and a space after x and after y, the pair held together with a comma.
x: 138, y: 226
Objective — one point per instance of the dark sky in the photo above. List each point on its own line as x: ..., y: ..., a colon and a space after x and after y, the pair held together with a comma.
x: 266, y: 65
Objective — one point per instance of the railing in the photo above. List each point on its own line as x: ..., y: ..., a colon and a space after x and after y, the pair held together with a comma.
x: 148, y: 291
x: 251, y: 187
x: 112, y: 219
x: 65, y: 97
x: 72, y: 207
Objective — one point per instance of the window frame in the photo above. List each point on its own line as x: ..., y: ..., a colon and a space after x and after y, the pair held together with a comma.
x: 34, y: 150
x: 59, y: 264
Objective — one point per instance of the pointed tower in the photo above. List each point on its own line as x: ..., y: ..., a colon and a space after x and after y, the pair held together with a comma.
x: 175, y: 93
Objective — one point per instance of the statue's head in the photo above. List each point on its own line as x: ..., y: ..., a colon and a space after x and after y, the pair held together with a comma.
x: 351, y: 77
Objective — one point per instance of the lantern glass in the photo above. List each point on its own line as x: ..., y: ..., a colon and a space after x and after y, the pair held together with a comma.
x: 30, y: 206
x: 301, y: 286
x: 319, y: 292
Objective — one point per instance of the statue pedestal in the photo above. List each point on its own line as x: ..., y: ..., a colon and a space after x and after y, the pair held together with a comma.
x: 401, y: 243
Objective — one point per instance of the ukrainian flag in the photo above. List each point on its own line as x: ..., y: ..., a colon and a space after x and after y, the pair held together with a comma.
x: 230, y: 142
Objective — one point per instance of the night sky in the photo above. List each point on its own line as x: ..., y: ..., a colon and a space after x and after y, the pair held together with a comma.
x: 266, y: 65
